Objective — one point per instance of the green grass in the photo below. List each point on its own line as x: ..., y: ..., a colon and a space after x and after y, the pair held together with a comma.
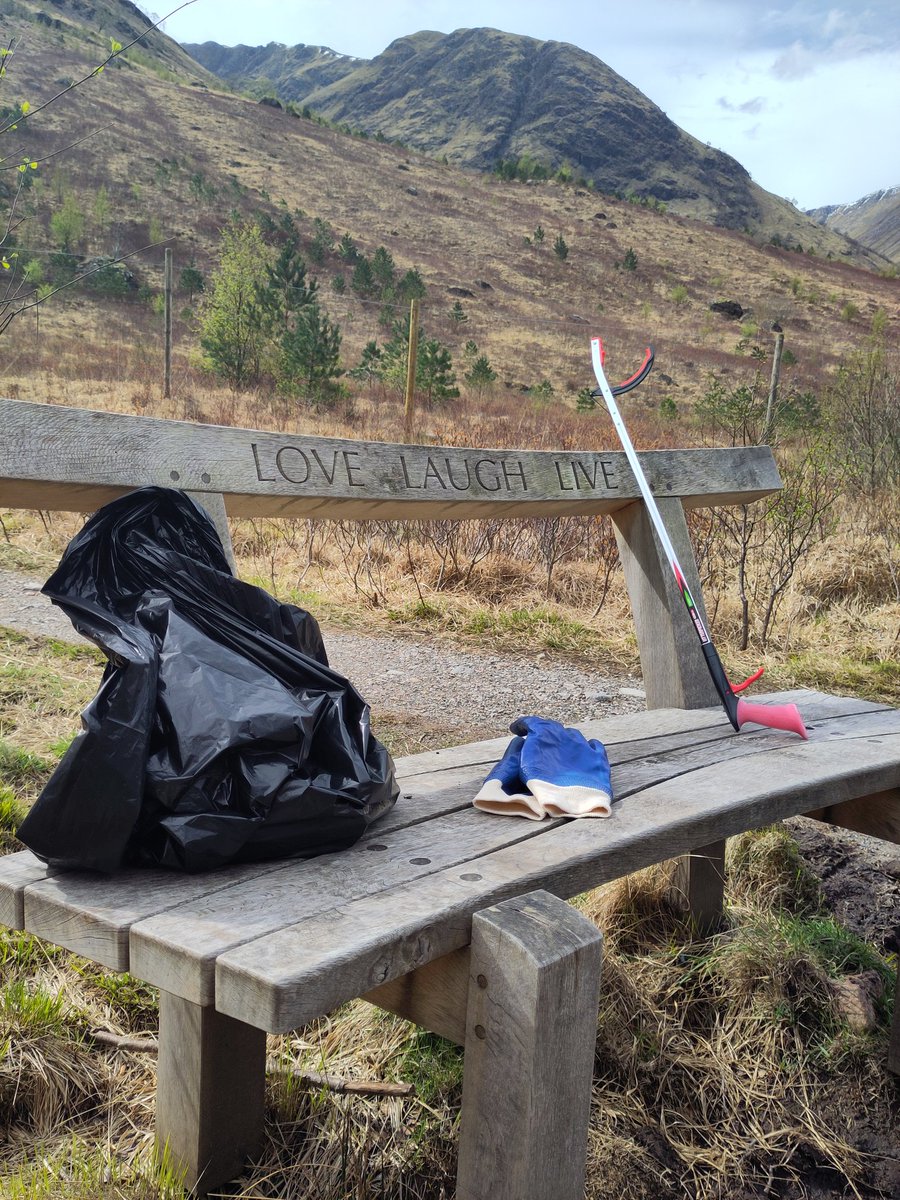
x: 514, y: 629
x: 22, y: 775
x: 12, y: 813
x: 868, y: 678
x: 45, y: 685
x: 82, y: 1170
x: 434, y: 1066
x: 30, y: 1010
x: 134, y: 1004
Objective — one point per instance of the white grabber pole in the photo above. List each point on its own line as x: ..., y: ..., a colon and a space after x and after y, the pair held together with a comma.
x: 740, y: 712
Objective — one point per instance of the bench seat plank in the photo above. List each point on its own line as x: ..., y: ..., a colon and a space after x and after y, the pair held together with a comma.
x: 18, y: 871
x: 287, y: 977
x: 177, y: 950
x: 91, y: 914
x: 94, y: 915
x: 175, y: 946
x: 632, y: 735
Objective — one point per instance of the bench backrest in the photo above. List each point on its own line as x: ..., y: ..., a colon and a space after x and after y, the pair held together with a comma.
x: 69, y: 459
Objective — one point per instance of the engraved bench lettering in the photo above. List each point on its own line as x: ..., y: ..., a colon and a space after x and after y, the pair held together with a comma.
x: 575, y: 475
x: 296, y: 466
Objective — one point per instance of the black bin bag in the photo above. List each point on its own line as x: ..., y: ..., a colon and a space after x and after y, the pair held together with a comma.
x: 219, y: 733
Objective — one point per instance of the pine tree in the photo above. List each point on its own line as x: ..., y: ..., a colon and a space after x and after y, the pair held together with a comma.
x: 435, y: 378
x: 434, y: 371
x: 363, y: 281
x: 191, y: 280
x: 287, y: 289
x: 383, y: 269
x: 347, y: 249
x: 309, y: 360
x: 411, y: 286
x: 371, y: 364
x: 481, y: 374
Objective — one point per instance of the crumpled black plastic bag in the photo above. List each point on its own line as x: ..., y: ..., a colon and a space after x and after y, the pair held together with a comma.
x: 219, y: 733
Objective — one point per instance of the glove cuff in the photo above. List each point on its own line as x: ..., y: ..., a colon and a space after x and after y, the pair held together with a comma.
x: 493, y: 799
x: 574, y: 800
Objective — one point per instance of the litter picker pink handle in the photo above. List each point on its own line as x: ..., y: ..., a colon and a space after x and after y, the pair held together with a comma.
x: 740, y: 712
x: 776, y: 716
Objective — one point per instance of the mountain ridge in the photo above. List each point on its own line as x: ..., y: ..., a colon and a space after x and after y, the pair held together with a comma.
x: 476, y: 96
x: 173, y: 160
x: 873, y: 220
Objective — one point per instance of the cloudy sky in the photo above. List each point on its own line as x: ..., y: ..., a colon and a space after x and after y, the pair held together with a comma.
x: 805, y: 94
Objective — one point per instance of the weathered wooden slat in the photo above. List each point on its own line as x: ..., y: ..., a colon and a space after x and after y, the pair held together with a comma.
x: 17, y: 871
x: 434, y: 996
x: 530, y: 1035
x: 66, y: 458
x: 878, y: 815
x: 210, y: 1092
x: 177, y: 949
x: 623, y: 728
x: 632, y: 775
x: 634, y: 735
x: 287, y: 977
x: 93, y: 915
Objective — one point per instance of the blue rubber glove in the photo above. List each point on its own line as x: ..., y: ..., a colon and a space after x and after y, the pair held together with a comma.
x: 568, y: 774
x: 504, y: 790
x: 548, y: 770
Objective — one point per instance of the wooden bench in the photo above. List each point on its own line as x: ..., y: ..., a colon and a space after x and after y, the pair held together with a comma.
x: 443, y: 914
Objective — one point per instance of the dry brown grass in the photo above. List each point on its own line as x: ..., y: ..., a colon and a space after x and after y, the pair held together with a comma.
x: 724, y: 1067
x: 460, y: 229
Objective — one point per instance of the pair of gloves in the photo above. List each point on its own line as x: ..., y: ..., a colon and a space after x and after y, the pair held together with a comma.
x: 548, y: 770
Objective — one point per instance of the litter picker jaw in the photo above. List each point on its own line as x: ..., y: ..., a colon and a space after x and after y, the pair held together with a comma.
x: 740, y: 712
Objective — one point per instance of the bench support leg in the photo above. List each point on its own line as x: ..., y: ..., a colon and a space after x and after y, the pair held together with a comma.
x: 210, y: 1092
x: 673, y: 669
x: 531, y: 1029
x: 698, y: 885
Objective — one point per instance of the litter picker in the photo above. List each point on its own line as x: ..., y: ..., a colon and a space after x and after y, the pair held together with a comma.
x: 740, y: 712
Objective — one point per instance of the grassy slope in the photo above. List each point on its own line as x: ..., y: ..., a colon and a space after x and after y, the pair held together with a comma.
x: 177, y: 159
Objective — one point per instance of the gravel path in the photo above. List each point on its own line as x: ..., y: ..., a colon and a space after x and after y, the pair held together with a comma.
x: 477, y: 693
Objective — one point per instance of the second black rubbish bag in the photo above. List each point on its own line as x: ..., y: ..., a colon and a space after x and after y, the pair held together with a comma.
x: 219, y: 733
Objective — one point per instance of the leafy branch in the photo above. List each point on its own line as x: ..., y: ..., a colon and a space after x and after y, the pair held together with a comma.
x: 27, y: 110
x: 16, y: 299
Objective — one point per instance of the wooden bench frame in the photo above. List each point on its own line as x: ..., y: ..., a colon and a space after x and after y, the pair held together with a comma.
x: 500, y: 963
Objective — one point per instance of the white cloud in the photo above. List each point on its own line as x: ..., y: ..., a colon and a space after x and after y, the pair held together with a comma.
x: 756, y: 105
x: 790, y: 89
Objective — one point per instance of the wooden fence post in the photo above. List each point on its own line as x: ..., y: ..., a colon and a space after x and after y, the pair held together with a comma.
x: 167, y: 385
x: 773, y: 388
x: 410, y: 404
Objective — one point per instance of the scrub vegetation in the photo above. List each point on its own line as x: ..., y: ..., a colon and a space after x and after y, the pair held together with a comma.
x: 734, y: 1065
